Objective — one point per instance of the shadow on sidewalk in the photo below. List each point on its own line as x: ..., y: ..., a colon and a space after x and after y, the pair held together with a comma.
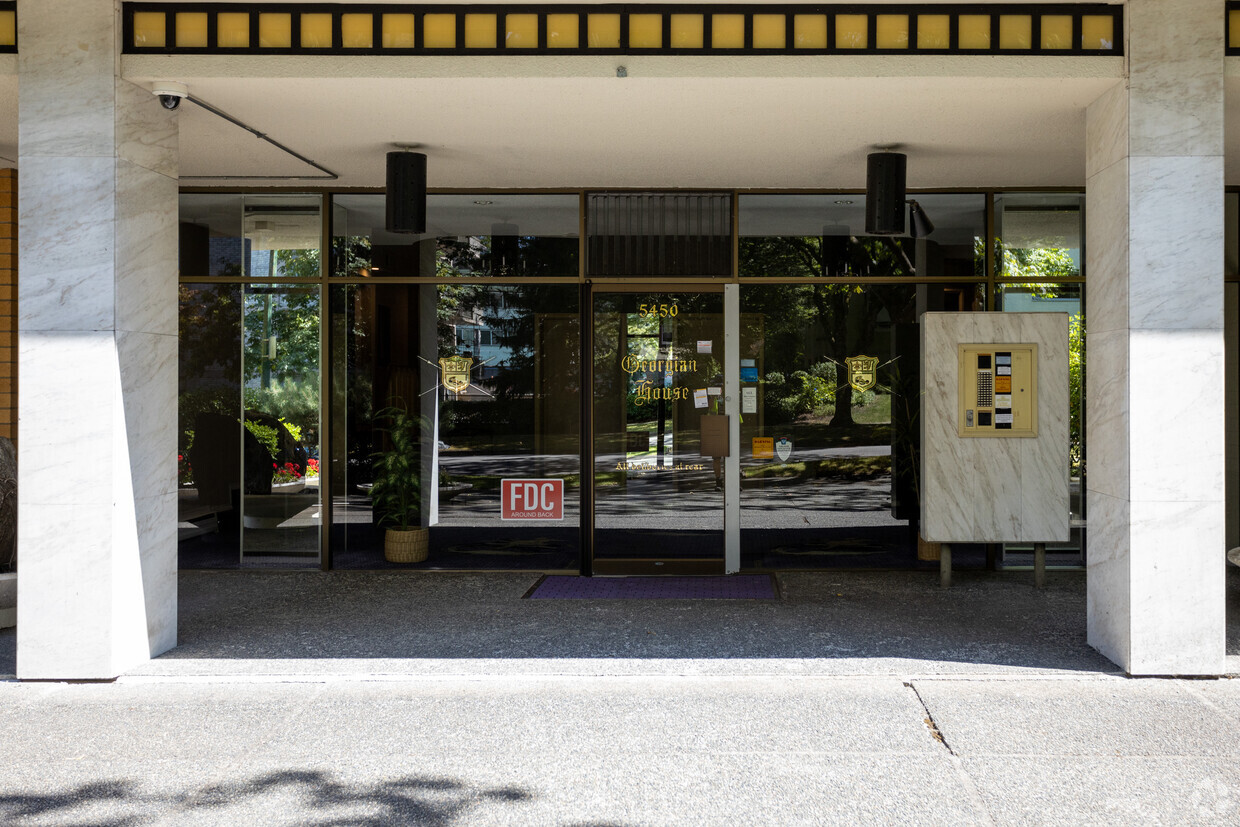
x: 406, y: 800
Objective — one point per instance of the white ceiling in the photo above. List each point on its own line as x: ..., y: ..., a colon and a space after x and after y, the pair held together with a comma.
x: 570, y: 123
x: 590, y: 132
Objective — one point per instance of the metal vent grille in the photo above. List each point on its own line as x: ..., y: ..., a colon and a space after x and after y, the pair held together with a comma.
x: 659, y: 234
x: 985, y: 389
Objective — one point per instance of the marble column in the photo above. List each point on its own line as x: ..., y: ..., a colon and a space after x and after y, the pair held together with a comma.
x: 1154, y: 409
x: 97, y: 350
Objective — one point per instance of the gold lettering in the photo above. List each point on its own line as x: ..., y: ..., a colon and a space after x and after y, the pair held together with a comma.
x: 631, y: 364
x: 646, y: 391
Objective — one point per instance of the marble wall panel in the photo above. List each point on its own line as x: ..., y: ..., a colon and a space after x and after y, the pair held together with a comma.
x: 1106, y: 417
x: 1176, y: 416
x: 993, y: 468
x: 946, y: 509
x: 66, y: 64
x: 1108, y: 578
x: 1154, y: 417
x: 988, y: 327
x: 64, y: 595
x: 1231, y: 410
x: 66, y: 243
x: 66, y: 417
x: 1106, y: 248
x: 148, y: 381
x: 1175, y: 77
x: 146, y: 134
x: 146, y: 251
x: 1106, y: 130
x: 1178, y: 589
x: 1176, y: 250
x: 157, y: 533
x: 97, y: 350
x: 1044, y: 461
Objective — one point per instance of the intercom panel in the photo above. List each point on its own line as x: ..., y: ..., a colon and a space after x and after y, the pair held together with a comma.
x: 998, y: 390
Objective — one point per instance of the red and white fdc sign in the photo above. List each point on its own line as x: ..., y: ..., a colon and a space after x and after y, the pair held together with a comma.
x: 531, y: 499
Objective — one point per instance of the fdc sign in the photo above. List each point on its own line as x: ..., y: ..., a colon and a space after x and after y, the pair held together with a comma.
x: 531, y: 499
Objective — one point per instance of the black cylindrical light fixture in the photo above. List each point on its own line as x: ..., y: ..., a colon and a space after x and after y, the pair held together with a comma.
x: 884, y: 193
x: 406, y: 192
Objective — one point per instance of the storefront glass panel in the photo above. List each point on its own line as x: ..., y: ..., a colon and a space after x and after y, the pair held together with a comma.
x: 1038, y: 236
x: 223, y: 235
x: 659, y: 436
x: 209, y: 433
x: 484, y: 367
x: 808, y: 236
x: 830, y: 435
x: 248, y: 451
x: 489, y: 376
x: 249, y: 381
x: 467, y: 236
x: 280, y: 503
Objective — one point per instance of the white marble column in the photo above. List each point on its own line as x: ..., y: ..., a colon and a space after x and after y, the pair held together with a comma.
x: 97, y: 172
x: 1154, y: 409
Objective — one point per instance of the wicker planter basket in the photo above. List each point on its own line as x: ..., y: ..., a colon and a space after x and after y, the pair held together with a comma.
x: 927, y: 550
x: 406, y: 546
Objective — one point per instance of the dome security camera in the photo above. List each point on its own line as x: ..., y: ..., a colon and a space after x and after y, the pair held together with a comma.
x: 170, y: 93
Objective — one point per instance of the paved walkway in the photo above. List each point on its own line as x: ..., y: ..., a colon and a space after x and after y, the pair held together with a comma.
x: 391, y: 623
x: 377, y: 698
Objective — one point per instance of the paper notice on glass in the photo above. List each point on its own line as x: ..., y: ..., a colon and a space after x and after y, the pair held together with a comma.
x: 704, y: 345
x: 699, y: 398
x: 749, y: 400
x: 714, y: 391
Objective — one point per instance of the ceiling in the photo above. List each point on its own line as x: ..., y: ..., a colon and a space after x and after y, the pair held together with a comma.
x: 571, y: 123
x: 746, y: 132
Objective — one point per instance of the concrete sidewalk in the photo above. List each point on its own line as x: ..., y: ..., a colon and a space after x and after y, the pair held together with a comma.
x: 638, y: 750
x: 383, y: 698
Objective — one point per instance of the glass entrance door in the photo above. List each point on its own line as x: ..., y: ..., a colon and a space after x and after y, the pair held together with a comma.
x: 659, y: 433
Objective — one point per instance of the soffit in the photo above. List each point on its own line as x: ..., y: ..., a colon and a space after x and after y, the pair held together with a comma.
x: 673, y: 122
x: 650, y: 131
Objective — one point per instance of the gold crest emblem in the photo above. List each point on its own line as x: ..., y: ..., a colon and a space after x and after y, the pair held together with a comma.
x: 862, y: 371
x: 455, y: 371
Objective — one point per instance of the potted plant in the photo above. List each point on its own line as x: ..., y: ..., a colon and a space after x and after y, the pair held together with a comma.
x: 397, y: 492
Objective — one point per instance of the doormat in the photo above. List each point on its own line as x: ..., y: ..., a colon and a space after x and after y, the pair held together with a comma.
x: 725, y: 587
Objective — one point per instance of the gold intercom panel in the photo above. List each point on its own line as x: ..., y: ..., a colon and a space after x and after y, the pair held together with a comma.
x: 998, y: 390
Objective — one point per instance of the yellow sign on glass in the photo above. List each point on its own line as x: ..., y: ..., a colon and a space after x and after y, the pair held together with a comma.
x: 764, y: 447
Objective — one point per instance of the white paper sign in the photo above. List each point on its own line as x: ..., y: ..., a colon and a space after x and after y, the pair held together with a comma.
x: 715, y: 391
x: 699, y: 398
x: 749, y: 400
x: 704, y: 345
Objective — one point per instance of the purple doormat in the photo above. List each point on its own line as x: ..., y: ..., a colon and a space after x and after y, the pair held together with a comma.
x: 726, y: 587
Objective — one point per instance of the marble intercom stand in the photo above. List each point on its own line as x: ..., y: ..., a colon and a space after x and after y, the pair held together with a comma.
x: 994, y: 489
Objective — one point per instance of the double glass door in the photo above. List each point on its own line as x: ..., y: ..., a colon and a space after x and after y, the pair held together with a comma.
x: 660, y: 432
